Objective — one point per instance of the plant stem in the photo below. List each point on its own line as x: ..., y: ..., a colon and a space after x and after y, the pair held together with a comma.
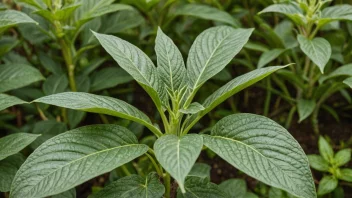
x: 158, y: 170
x: 167, y: 183
x: 66, y: 52
x: 125, y: 170
x: 268, y: 97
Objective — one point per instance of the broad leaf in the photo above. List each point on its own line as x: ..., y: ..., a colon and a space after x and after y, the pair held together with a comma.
x: 13, y: 76
x: 14, y: 143
x: 55, y: 84
x: 305, y: 108
x: 291, y: 11
x: 212, y: 50
x: 171, y: 67
x: 136, y: 63
x: 10, y: 18
x: 345, y: 70
x: 254, y: 143
x: 318, y: 50
x: 74, y: 157
x: 177, y: 155
x: 318, y: 163
x: 325, y: 149
x: 200, y: 187
x: 200, y: 170
x: 133, y: 186
x: 206, y: 12
x: 346, y: 174
x: 327, y: 185
x: 108, y: 78
x: 99, y: 104
x: 8, y: 169
x: 269, y: 56
x: 342, y: 157
x: 235, y: 188
x: 8, y: 101
x: 192, y: 108
x: 334, y: 13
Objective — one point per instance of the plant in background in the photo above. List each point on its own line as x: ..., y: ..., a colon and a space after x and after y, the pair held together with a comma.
x: 331, y: 165
x: 313, y: 79
x: 249, y: 142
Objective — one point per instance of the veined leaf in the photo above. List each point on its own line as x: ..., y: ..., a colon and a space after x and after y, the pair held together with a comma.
x: 8, y: 169
x: 10, y: 18
x: 99, y: 104
x: 171, y: 67
x: 291, y: 11
x: 133, y: 186
x: 206, y: 12
x: 177, y: 155
x: 200, y: 187
x: 136, y: 63
x: 8, y: 101
x: 235, y: 188
x: 231, y: 88
x: 200, y: 170
x: 269, y: 56
x: 334, y: 13
x: 305, y: 108
x: 327, y: 185
x: 13, y: 76
x: 254, y: 144
x: 74, y: 157
x: 14, y: 143
x: 318, y: 50
x: 212, y: 50
x: 192, y: 108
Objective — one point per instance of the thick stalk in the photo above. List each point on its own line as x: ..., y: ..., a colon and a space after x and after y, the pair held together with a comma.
x: 66, y: 52
x: 167, y: 184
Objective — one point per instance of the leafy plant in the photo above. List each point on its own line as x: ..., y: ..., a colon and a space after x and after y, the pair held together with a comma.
x: 331, y: 164
x: 249, y: 142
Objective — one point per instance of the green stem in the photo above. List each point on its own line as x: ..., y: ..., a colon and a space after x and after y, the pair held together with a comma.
x: 66, y: 52
x: 267, y: 98
x: 158, y: 170
x: 167, y: 183
x: 290, y: 116
x: 125, y: 170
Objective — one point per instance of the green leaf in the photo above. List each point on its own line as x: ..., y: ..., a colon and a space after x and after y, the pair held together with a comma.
x: 206, y: 12
x: 7, y: 43
x: 318, y: 50
x: 8, y: 169
x: 342, y: 157
x: 254, y: 143
x: 235, y: 188
x: 345, y: 70
x: 74, y: 157
x: 47, y: 129
x: 212, y: 50
x: 14, y: 143
x: 192, y: 108
x: 290, y: 10
x: 50, y: 64
x: 348, y: 82
x: 171, y: 67
x: 136, y: 63
x: 8, y: 101
x: 325, y: 150
x: 99, y: 104
x: 55, y: 84
x: 62, y: 14
x: 75, y: 117
x: 13, y: 76
x: 269, y: 56
x: 67, y: 194
x: 346, y: 174
x: 177, y: 155
x: 335, y: 13
x: 305, y: 108
x: 109, y: 77
x: 10, y: 18
x: 318, y: 163
x: 121, y: 21
x: 278, y: 193
x: 200, y: 170
x: 327, y: 185
x: 200, y: 187
x: 133, y: 186
x: 229, y: 89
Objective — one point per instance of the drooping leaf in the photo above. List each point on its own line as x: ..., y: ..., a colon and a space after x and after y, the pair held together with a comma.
x: 235, y: 188
x: 8, y: 101
x: 254, y: 143
x: 55, y: 84
x: 133, y: 186
x: 200, y: 170
x: 200, y: 187
x: 318, y: 163
x: 327, y: 185
x: 192, y: 108
x: 99, y: 104
x: 334, y: 13
x: 177, y: 155
x: 206, y: 12
x: 74, y: 157
x: 8, y: 169
x: 317, y: 49
x: 269, y: 56
x: 290, y: 10
x: 342, y: 157
x: 171, y: 66
x: 212, y: 50
x: 14, y: 143
x: 325, y: 149
x: 109, y: 77
x: 10, y: 18
x: 136, y: 63
x: 305, y: 108
x: 13, y: 76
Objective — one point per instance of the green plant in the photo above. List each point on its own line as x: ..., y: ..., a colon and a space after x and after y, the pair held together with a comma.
x: 249, y: 142
x: 314, y: 78
x: 331, y: 164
